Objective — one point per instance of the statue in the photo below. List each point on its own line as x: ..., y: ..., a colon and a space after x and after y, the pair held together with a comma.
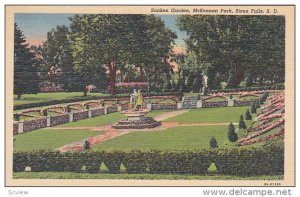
x: 139, y: 101
x: 136, y: 100
x: 133, y: 98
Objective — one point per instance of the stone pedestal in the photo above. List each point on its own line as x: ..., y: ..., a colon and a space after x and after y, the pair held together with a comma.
x: 136, y: 120
x: 48, y: 121
x: 71, y: 117
x: 119, y: 108
x: 149, y: 106
x: 230, y: 102
x: 20, y: 128
x: 179, y: 105
x: 199, y: 104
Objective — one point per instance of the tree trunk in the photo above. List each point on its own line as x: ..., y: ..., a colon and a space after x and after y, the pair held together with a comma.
x: 142, y: 73
x: 19, y: 96
x: 112, y: 77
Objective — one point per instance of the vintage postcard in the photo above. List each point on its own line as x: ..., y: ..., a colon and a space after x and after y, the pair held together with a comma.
x: 150, y: 95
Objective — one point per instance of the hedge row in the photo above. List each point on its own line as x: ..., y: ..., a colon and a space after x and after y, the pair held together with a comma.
x: 77, y: 99
x: 268, y: 160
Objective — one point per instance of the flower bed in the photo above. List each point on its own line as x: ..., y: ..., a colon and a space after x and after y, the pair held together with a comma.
x: 80, y: 115
x: 97, y: 112
x: 159, y: 106
x: 217, y: 95
x: 265, y: 138
x: 15, y: 128
x: 112, y: 109
x: 239, y: 103
x: 265, y: 129
x: 60, y: 119
x: 207, y: 104
x: 34, y: 124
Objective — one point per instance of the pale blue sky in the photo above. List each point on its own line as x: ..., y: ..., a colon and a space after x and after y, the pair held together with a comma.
x: 36, y: 25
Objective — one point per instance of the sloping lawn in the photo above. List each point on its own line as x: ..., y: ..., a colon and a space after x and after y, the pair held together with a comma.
x: 50, y: 139
x: 177, y: 138
x: 211, y: 115
x: 41, y: 97
x: 96, y: 121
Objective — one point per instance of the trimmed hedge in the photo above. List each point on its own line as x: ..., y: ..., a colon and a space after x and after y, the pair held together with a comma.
x: 267, y: 160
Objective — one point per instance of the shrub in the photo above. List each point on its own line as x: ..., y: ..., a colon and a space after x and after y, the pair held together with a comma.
x: 213, y: 142
x: 45, y: 113
x: 242, y: 161
x: 232, y: 136
x: 17, y: 117
x: 257, y: 104
x: 135, y: 162
x: 248, y: 115
x: 112, y: 161
x: 253, y: 108
x: 86, y: 144
x: 242, y: 124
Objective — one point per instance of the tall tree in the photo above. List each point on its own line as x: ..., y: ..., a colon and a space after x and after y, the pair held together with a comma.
x: 26, y: 79
x: 117, y: 40
x: 254, y: 43
x: 58, y: 55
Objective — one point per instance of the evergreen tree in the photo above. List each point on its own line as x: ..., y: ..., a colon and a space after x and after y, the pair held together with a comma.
x: 26, y: 79
x: 242, y: 124
x: 257, y: 105
x: 213, y: 142
x: 253, y: 108
x: 248, y: 115
x: 232, y: 135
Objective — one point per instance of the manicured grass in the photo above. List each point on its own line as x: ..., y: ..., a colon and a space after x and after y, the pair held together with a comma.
x: 177, y: 138
x: 50, y: 139
x: 70, y: 175
x: 41, y: 97
x: 210, y: 115
x: 96, y: 121
x: 158, y: 112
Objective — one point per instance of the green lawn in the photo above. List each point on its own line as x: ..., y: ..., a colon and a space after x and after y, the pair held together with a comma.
x: 49, y: 139
x: 70, y: 175
x: 158, y: 112
x: 210, y: 115
x: 177, y: 138
x: 96, y: 121
x: 41, y: 97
